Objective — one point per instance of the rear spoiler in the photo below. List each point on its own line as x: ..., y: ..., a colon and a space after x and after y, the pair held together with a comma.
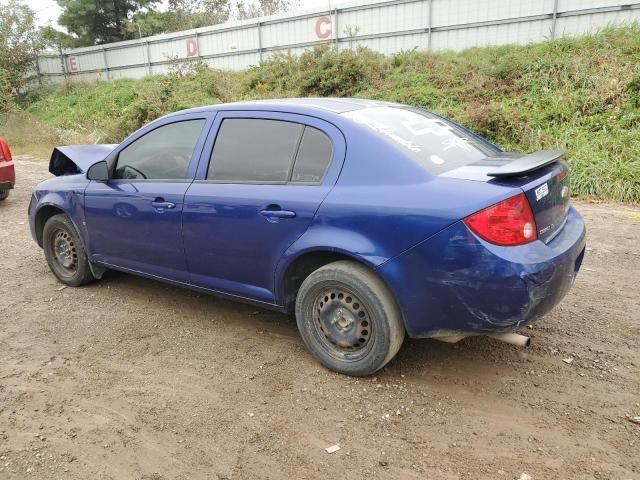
x: 526, y: 164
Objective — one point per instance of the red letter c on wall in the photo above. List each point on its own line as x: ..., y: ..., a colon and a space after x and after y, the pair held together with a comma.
x: 323, y: 28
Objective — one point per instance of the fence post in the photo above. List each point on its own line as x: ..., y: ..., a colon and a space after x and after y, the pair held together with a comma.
x: 555, y: 19
x: 336, y: 33
x: 149, y: 57
x: 63, y: 62
x: 106, y: 63
x: 260, y: 41
x: 429, y: 15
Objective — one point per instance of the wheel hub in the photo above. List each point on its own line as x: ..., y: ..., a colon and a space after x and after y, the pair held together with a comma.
x: 341, y: 321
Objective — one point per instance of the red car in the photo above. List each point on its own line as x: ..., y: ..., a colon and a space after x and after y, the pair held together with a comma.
x: 7, y: 171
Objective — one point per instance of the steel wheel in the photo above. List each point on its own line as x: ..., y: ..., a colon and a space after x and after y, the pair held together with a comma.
x: 65, y: 251
x: 348, y: 318
x: 342, y: 324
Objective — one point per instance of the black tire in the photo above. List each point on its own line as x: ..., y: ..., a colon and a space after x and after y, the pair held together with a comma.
x: 65, y: 253
x: 4, y: 194
x: 349, y: 319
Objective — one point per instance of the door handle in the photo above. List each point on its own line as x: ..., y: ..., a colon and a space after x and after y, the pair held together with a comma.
x: 162, y: 204
x: 278, y: 213
x: 274, y: 212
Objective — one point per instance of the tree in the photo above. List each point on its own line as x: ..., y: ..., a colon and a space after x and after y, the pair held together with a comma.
x: 262, y: 8
x: 148, y: 23
x: 188, y: 14
x: 52, y: 38
x: 101, y: 21
x: 19, y: 46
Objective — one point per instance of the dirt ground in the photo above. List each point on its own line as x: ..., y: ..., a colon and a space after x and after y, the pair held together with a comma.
x: 133, y: 379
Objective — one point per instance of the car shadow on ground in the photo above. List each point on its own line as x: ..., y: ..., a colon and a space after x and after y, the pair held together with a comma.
x: 470, y: 356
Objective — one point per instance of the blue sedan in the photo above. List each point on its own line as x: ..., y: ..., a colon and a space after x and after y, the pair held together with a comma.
x: 365, y: 219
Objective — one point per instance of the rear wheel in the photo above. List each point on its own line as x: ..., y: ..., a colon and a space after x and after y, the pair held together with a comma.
x: 4, y: 194
x: 64, y: 252
x: 348, y: 318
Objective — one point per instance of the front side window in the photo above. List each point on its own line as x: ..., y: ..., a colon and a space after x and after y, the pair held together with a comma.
x: 162, y: 154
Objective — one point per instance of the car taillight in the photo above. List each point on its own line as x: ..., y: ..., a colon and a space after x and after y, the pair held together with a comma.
x: 506, y: 223
x: 5, y: 153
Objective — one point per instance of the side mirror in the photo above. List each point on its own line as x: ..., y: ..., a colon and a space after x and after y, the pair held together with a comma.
x: 98, y: 172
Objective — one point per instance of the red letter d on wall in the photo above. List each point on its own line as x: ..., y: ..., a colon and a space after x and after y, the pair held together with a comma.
x: 192, y: 47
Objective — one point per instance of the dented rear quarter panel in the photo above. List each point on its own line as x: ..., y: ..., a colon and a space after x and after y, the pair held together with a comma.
x: 456, y: 283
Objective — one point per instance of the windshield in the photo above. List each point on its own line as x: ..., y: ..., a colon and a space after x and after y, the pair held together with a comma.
x: 431, y: 141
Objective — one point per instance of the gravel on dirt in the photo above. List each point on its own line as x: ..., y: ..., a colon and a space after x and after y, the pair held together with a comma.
x: 128, y: 378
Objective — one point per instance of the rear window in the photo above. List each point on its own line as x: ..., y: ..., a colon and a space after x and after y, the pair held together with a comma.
x: 434, y: 143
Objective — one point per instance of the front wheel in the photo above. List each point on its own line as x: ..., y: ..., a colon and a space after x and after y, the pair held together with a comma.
x: 64, y: 252
x: 349, y: 319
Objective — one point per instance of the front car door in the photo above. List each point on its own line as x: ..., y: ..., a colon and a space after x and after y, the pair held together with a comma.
x: 134, y: 219
x: 261, y: 179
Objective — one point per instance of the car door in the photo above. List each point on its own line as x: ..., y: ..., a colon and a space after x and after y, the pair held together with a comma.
x: 256, y: 192
x: 134, y: 219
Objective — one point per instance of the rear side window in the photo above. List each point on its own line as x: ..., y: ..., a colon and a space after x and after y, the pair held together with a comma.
x: 254, y: 150
x: 162, y: 154
x: 433, y: 142
x: 269, y: 151
x: 314, y: 156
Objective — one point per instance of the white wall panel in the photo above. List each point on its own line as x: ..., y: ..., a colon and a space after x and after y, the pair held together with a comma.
x: 291, y: 32
x: 459, y: 12
x: 88, y: 61
x: 229, y: 41
x: 160, y: 69
x: 575, y: 25
x: 381, y: 26
x: 234, y: 62
x: 512, y: 33
x: 565, y: 5
x: 50, y: 64
x: 392, y: 18
x: 169, y: 50
x: 133, y: 55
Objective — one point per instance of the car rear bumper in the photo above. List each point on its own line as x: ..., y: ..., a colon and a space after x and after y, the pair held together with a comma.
x: 7, y: 175
x: 455, y: 283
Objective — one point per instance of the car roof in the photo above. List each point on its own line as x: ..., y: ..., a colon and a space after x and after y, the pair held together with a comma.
x: 295, y: 105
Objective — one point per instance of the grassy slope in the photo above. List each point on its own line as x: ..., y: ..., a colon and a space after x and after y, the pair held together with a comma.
x: 581, y: 95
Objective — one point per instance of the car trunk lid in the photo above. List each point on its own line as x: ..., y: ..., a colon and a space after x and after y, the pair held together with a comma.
x: 542, y: 176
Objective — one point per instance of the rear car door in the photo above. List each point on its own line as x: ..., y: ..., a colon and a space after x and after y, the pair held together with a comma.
x: 134, y: 219
x: 256, y: 192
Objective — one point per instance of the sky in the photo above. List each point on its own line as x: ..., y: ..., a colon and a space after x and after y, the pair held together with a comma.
x: 47, y: 11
